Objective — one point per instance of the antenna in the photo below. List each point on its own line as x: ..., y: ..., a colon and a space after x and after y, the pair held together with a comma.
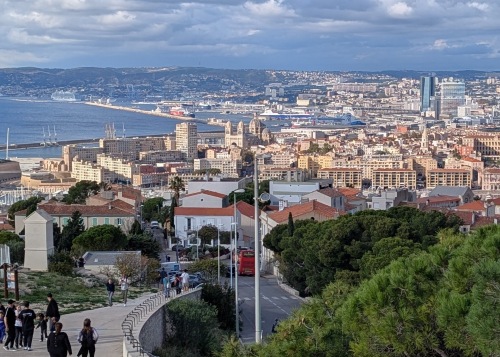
x: 123, y: 130
x: 50, y: 135
x: 55, y: 136
x: 7, y: 147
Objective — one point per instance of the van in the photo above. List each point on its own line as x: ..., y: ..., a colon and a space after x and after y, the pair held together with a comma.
x: 171, y: 266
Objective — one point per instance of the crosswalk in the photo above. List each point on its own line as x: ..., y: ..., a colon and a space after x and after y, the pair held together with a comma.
x: 273, y: 298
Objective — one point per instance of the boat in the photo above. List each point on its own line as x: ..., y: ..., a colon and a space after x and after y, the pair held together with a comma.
x: 63, y: 96
x: 271, y: 115
x: 180, y: 112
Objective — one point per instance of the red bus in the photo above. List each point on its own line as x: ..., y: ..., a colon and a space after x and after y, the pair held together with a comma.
x: 246, y: 262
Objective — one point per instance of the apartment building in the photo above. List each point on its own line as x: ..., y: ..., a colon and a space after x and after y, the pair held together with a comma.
x: 81, y: 153
x: 342, y: 177
x: 423, y: 164
x: 279, y: 159
x: 129, y: 148
x: 186, y: 138
x: 285, y: 174
x: 153, y: 157
x: 368, y: 164
x: 449, y: 177
x: 118, y: 168
x: 312, y: 163
x: 491, y: 179
x: 486, y: 145
x: 228, y: 167
x: 394, y: 178
x: 87, y: 171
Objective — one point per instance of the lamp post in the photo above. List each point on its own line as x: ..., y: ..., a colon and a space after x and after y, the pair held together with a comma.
x: 240, y: 190
x: 218, y: 254
x: 258, y: 328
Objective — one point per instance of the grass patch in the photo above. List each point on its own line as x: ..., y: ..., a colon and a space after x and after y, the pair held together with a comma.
x: 72, y: 293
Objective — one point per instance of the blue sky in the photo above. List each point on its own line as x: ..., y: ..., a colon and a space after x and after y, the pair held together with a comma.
x: 273, y: 34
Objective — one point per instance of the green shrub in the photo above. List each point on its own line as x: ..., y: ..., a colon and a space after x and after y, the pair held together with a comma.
x: 62, y: 263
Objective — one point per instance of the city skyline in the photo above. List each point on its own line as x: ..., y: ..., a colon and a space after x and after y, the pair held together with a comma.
x: 369, y: 35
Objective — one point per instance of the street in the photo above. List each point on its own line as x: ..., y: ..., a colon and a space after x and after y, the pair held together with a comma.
x: 275, y: 304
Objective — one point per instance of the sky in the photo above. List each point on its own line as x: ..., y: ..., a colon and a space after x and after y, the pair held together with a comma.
x: 322, y: 35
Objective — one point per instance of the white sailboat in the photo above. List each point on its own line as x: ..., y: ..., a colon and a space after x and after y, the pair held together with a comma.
x: 44, y: 142
x: 55, y: 137
x: 49, y: 141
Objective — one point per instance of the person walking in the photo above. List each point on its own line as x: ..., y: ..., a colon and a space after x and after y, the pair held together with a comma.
x: 58, y: 342
x: 166, y: 286
x: 10, y: 326
x: 28, y: 317
x: 88, y: 338
x: 42, y: 324
x: 185, y: 280
x: 124, y: 288
x: 18, y: 340
x: 52, y: 312
x: 2, y: 325
x: 110, y: 287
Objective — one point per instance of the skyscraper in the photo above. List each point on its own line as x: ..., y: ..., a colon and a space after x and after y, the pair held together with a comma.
x: 186, y: 139
x: 427, y: 92
x: 452, y: 96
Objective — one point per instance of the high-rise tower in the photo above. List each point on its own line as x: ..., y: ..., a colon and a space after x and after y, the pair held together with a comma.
x: 186, y: 139
x: 427, y: 92
x: 452, y: 96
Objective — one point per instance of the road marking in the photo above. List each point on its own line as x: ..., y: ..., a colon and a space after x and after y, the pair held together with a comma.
x: 247, y: 299
x: 275, y: 298
x: 293, y: 297
x: 276, y: 305
x: 284, y: 298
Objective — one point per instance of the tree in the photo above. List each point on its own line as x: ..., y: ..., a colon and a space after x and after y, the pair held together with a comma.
x: 78, y: 193
x: 177, y: 185
x: 16, y: 245
x: 171, y: 213
x: 222, y: 298
x: 208, y: 269
x: 6, y: 236
x: 73, y: 228
x: 103, y: 237
x: 248, y: 195
x: 151, y: 208
x: 146, y: 244
x: 136, y: 228
x: 291, y: 227
x: 30, y: 205
x: 193, y: 326
x: 208, y: 234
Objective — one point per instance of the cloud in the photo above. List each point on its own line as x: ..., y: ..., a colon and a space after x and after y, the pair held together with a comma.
x: 321, y: 34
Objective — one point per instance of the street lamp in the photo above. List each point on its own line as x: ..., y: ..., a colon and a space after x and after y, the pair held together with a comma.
x: 218, y: 253
x: 264, y: 197
x: 235, y: 223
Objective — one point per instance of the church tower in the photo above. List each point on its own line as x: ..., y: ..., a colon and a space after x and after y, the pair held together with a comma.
x: 424, y: 144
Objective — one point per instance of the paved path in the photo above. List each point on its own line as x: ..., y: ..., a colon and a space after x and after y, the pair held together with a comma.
x: 107, y: 321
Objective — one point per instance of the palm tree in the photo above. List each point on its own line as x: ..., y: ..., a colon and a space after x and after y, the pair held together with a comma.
x: 177, y: 185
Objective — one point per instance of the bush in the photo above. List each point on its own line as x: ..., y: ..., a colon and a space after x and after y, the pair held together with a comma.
x: 61, y: 263
x: 16, y: 251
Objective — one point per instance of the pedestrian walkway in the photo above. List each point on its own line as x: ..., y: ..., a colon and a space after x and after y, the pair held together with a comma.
x: 107, y: 321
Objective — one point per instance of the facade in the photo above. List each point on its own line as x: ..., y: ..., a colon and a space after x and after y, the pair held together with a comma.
x: 449, y: 177
x: 290, y: 193
x: 328, y: 196
x: 188, y: 219
x: 80, y: 153
x: 368, y: 164
x: 205, y: 199
x: 186, y: 139
x: 427, y: 92
x: 491, y: 179
x: 285, y: 174
x: 117, y: 169
x: 86, y: 170
x: 313, y: 163
x: 452, y: 96
x: 342, y: 177
x: 228, y: 167
x: 394, y: 178
x: 153, y: 157
x: 39, y: 240
x: 486, y: 145
x: 217, y: 184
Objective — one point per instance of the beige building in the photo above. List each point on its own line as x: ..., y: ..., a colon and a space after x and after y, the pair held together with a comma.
x: 84, y: 170
x: 313, y: 163
x: 423, y: 164
x: 153, y: 157
x: 231, y: 168
x: 491, y: 179
x: 342, y: 177
x: 367, y: 165
x: 129, y: 148
x: 486, y: 145
x: 285, y: 174
x: 448, y: 177
x: 186, y: 138
x: 394, y: 178
x: 117, y: 168
x: 80, y: 153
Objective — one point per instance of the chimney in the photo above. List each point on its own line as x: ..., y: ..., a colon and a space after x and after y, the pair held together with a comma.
x: 110, y: 207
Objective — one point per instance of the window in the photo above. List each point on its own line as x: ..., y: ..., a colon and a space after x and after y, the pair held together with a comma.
x: 106, y: 220
x: 94, y: 221
x: 118, y: 221
x: 65, y: 221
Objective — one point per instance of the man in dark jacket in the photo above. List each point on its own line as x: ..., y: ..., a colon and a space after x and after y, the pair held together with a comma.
x: 52, y: 310
x: 10, y: 323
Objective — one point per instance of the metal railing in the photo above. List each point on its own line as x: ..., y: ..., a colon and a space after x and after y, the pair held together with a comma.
x: 142, y: 311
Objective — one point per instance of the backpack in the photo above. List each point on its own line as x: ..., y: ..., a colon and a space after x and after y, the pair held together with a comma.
x: 88, y: 338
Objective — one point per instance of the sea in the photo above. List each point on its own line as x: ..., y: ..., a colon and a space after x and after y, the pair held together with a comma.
x: 29, y: 119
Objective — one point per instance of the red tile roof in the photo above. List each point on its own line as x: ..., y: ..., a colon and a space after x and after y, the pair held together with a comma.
x: 302, y: 209
x: 472, y: 206
x: 207, y: 192
x: 495, y: 201
x: 330, y: 192
x: 59, y: 209
x: 348, y: 191
x: 245, y: 209
x: 438, y: 199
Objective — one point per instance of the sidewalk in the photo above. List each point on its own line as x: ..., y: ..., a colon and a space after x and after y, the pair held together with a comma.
x: 107, y: 321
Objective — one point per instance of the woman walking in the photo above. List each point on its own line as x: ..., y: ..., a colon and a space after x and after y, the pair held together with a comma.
x: 88, y: 338
x: 110, y: 287
x: 58, y: 342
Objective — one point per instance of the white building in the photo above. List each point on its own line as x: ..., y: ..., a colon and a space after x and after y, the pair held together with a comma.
x: 186, y: 139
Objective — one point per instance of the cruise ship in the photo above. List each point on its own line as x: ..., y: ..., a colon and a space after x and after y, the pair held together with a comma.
x: 63, y: 96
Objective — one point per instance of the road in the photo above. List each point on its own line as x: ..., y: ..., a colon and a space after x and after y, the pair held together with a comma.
x: 275, y: 304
